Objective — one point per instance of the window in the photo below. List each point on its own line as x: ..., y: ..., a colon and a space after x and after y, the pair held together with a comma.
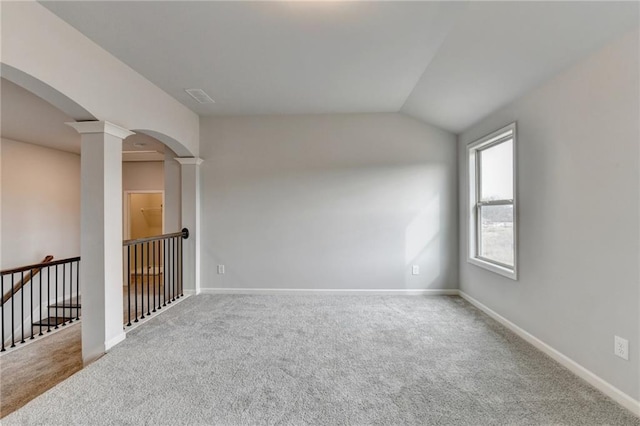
x: 492, y: 202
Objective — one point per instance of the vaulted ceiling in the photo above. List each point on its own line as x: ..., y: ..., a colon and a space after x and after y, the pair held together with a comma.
x: 447, y: 63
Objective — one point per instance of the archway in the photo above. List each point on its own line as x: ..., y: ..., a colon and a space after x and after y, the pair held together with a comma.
x: 46, y: 92
x: 101, y: 197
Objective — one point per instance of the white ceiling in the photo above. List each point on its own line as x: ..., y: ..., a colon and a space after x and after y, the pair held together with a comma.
x: 271, y: 57
x: 498, y: 51
x: 28, y: 118
x: 448, y: 63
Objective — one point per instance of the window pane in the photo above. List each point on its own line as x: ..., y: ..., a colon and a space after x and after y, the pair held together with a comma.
x: 496, y: 233
x: 496, y: 172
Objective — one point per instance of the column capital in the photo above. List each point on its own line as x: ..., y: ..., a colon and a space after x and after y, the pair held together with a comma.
x: 191, y: 161
x: 86, y: 127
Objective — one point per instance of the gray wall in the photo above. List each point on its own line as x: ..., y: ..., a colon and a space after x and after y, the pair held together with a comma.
x: 328, y: 202
x: 578, y: 185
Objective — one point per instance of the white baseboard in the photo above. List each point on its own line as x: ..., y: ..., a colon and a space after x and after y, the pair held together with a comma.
x: 303, y: 291
x: 114, y: 341
x: 603, y: 386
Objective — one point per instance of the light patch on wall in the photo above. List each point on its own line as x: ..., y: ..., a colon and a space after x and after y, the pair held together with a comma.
x: 429, y: 261
x: 424, y: 227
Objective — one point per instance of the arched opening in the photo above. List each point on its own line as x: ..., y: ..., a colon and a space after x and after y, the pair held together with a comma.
x: 149, y: 165
x: 178, y: 149
x: 54, y: 97
x: 40, y: 163
x: 151, y: 206
x: 40, y: 210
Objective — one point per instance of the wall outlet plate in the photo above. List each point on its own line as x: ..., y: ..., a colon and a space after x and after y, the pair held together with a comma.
x: 221, y: 269
x: 621, y: 347
x: 415, y: 270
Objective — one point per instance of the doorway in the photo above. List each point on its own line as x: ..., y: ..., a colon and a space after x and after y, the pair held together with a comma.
x: 143, y: 217
x: 144, y: 214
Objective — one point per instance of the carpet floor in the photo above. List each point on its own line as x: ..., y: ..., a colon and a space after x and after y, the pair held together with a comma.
x: 326, y: 360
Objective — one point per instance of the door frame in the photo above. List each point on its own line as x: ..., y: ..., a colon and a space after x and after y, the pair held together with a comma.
x: 126, y: 212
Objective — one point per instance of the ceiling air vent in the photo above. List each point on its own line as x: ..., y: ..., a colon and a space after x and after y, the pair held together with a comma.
x: 200, y: 96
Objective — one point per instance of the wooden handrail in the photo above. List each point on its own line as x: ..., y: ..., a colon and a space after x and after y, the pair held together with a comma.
x: 184, y: 234
x: 32, y: 273
x: 40, y: 265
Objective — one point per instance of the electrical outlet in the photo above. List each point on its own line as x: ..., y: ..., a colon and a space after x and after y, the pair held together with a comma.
x: 415, y: 270
x: 221, y: 269
x: 621, y: 347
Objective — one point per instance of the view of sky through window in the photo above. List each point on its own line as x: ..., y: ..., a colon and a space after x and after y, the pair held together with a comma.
x: 496, y: 172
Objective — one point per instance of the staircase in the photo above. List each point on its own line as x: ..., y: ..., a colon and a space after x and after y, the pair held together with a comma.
x: 46, y: 296
x: 59, y: 314
x: 37, y: 299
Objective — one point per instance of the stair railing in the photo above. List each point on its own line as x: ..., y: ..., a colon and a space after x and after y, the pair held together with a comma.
x: 153, y: 279
x: 17, y: 287
x: 53, y: 297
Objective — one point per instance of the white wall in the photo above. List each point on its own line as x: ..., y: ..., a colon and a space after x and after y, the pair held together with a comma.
x: 578, y: 186
x: 143, y: 176
x: 1, y: 261
x: 41, y: 200
x: 139, y: 176
x: 328, y: 202
x: 172, y: 193
x: 40, y: 203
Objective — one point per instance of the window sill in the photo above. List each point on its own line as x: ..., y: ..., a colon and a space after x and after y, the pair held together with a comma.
x: 505, y: 272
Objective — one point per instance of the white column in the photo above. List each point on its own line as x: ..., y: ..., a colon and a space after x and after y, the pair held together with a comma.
x: 172, y: 203
x: 101, y: 236
x: 191, y: 220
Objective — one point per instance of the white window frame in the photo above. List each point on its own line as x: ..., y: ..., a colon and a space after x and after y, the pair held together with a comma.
x: 473, y: 191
